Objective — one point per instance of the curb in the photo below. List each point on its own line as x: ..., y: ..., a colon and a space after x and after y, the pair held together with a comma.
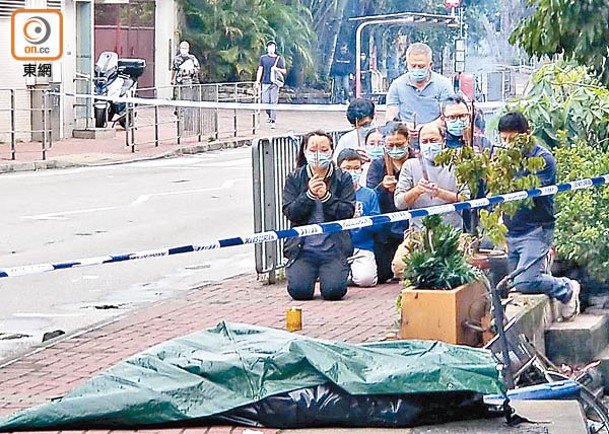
x: 34, y: 166
x: 41, y: 346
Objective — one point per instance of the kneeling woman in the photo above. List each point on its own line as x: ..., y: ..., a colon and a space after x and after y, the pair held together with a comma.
x: 317, y: 192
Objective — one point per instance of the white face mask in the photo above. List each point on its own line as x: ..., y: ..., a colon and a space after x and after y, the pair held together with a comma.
x: 184, y: 51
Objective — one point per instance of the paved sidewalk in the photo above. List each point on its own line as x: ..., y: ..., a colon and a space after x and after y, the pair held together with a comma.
x: 366, y: 314
x: 74, y: 152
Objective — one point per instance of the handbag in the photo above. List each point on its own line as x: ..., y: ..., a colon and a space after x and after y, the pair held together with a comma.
x: 277, y: 77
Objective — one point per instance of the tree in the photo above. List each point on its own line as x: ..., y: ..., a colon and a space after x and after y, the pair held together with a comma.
x: 230, y: 35
x: 578, y: 30
x: 328, y: 17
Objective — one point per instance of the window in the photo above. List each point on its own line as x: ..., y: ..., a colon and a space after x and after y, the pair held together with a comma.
x: 7, y: 7
x: 54, y: 4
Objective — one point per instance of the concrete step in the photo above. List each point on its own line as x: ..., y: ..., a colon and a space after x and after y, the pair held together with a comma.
x: 578, y: 341
x: 94, y: 133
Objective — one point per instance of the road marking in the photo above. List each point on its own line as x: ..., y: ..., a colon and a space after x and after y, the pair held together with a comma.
x: 231, y: 163
x: 48, y: 315
x: 226, y: 185
x: 60, y: 215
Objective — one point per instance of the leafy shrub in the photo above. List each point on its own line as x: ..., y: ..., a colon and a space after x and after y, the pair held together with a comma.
x: 582, y: 235
x: 568, y: 109
x: 496, y: 174
x: 436, y: 261
x: 566, y: 97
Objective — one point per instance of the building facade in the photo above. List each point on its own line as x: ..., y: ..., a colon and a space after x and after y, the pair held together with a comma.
x: 89, y: 27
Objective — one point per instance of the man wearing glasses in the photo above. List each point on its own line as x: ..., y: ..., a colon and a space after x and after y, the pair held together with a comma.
x: 456, y: 117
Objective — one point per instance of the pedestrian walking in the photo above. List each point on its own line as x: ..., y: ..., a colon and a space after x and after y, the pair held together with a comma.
x: 342, y: 70
x: 184, y: 74
x: 269, y: 78
x: 318, y: 192
x: 185, y: 66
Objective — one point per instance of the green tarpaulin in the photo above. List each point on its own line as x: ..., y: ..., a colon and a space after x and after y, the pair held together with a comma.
x: 233, y: 365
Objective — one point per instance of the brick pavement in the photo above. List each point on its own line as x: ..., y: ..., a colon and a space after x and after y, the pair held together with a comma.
x: 52, y: 370
x: 366, y: 314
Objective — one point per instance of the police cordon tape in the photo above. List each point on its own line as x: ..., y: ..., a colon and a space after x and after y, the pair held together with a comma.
x: 314, y: 229
x: 231, y: 105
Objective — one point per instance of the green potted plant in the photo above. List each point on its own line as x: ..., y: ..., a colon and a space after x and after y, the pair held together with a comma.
x: 442, y: 289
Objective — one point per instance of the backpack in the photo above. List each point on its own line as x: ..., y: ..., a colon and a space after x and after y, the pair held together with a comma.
x: 277, y: 77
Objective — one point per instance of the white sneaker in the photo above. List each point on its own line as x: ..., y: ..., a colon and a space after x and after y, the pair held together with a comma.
x: 571, y: 308
x: 272, y: 125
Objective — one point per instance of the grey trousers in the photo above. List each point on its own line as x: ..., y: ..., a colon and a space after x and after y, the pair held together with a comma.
x: 270, y: 95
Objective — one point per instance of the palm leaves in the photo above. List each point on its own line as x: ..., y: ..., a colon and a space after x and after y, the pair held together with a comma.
x: 230, y: 35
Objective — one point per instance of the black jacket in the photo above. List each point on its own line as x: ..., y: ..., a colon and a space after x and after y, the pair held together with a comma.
x: 338, y: 205
x: 376, y: 173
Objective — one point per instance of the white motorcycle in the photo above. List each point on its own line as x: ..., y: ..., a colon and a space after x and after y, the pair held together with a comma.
x: 114, y: 78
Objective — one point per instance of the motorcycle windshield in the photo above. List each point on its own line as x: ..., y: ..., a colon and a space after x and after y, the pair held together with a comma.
x: 107, y: 63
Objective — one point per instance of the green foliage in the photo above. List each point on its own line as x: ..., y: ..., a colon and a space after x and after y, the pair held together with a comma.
x: 569, y: 109
x: 435, y: 261
x: 576, y: 29
x: 229, y: 36
x: 582, y: 235
x: 566, y: 97
x: 498, y: 173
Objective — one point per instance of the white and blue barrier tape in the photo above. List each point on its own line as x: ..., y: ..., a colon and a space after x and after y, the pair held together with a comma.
x: 228, y: 105
x: 330, y: 227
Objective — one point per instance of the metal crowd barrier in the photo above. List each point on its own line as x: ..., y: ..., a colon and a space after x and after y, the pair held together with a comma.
x: 157, y: 123
x: 33, y: 116
x: 273, y: 159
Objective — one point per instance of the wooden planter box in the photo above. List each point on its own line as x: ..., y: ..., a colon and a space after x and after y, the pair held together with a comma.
x: 440, y: 315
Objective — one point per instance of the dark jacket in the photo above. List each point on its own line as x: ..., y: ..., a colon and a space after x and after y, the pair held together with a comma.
x: 542, y: 212
x: 338, y: 205
x: 376, y: 173
x: 342, y: 64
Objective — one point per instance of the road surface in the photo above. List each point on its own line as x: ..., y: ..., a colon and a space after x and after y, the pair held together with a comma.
x: 62, y: 215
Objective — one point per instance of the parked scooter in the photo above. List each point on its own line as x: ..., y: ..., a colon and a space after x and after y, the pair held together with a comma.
x: 114, y: 78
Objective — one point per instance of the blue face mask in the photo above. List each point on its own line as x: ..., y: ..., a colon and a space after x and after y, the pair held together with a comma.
x: 363, y: 132
x: 397, y: 153
x: 324, y: 159
x: 430, y: 150
x: 455, y: 126
x: 374, y: 152
x: 418, y: 74
x: 355, y: 175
